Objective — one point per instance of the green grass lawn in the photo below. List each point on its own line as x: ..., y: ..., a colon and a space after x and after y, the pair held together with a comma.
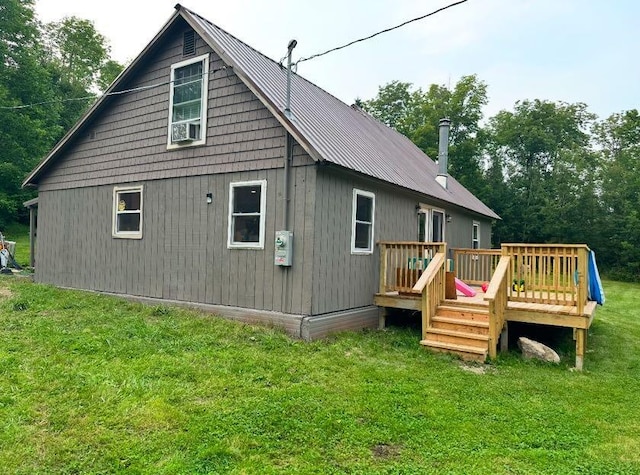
x: 93, y: 384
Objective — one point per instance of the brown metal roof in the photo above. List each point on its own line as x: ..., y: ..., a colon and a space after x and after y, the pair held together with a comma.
x: 327, y: 128
x: 332, y: 130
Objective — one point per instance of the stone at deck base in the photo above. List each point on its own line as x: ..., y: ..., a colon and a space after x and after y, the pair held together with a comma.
x: 534, y: 350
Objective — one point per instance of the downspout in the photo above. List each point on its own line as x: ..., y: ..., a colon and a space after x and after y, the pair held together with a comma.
x: 288, y: 147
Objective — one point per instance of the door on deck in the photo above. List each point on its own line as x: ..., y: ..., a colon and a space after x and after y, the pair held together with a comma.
x: 430, y: 224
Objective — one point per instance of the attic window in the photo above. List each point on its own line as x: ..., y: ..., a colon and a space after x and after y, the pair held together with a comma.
x: 189, y: 43
x: 188, y: 102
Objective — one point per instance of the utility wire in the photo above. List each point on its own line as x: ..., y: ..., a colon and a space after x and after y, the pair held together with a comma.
x: 380, y: 32
x: 113, y: 93
x: 295, y: 65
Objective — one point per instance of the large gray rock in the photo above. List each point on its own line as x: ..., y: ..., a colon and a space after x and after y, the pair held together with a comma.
x: 534, y: 350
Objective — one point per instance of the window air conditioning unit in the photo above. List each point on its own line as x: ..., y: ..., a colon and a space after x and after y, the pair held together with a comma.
x: 185, y: 132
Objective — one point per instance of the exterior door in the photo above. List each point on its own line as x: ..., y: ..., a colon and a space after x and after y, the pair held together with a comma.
x: 437, y: 226
x: 430, y: 225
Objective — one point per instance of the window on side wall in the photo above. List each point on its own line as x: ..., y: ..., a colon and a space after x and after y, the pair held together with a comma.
x: 247, y: 202
x: 362, y: 222
x: 127, y: 212
x: 475, y: 236
x: 188, y: 102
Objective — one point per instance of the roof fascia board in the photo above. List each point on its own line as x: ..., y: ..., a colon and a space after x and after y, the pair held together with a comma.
x: 253, y: 87
x: 29, y: 181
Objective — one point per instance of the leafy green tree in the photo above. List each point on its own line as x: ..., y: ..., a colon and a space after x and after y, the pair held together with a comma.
x: 78, y: 48
x: 619, y: 139
x: 416, y: 114
x: 79, y: 64
x: 25, y: 132
x: 542, y: 150
x: 42, y: 71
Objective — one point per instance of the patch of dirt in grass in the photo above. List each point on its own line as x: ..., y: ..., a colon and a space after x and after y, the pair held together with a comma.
x: 476, y: 369
x: 5, y: 293
x: 385, y: 451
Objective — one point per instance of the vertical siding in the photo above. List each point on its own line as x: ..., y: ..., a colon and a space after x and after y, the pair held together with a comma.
x: 183, y: 254
x: 345, y: 281
x: 458, y: 232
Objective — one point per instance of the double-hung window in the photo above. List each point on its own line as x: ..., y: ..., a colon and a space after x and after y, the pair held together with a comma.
x: 127, y: 212
x: 247, y: 203
x: 188, y: 102
x: 362, y: 222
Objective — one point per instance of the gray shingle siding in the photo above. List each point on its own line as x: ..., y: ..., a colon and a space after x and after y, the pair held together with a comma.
x: 131, y: 131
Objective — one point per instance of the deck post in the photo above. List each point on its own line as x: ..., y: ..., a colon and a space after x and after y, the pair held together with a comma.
x: 383, y: 268
x: 504, y: 338
x: 382, y: 318
x: 581, y: 337
x: 426, y: 318
x: 582, y: 276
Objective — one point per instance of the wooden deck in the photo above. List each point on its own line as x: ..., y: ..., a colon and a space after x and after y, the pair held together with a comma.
x: 549, y: 288
x: 528, y: 312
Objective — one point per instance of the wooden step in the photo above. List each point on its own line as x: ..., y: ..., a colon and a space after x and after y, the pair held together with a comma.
x: 460, y: 325
x: 463, y: 313
x: 468, y: 353
x: 458, y: 338
x: 465, y: 303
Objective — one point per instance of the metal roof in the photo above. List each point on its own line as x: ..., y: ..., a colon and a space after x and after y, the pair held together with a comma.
x: 327, y: 128
x: 332, y: 130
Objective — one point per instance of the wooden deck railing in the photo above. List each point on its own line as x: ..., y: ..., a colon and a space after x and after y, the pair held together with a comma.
x: 475, y: 266
x: 497, y: 298
x: 431, y: 285
x: 402, y: 263
x: 548, y: 273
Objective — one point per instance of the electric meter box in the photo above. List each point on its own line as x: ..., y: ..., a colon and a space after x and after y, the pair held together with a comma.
x: 284, y: 248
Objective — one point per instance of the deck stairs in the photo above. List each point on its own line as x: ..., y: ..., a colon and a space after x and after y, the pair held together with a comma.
x: 460, y: 328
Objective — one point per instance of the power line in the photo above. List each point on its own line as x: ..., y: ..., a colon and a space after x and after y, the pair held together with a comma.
x: 380, y: 32
x: 113, y: 93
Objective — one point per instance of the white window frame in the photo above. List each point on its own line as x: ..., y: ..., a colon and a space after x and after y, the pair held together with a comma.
x: 231, y: 244
x: 114, y: 221
x: 368, y: 194
x: 476, y: 225
x: 203, y: 107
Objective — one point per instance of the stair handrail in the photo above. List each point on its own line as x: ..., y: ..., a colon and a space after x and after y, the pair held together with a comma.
x: 497, y: 295
x: 431, y: 285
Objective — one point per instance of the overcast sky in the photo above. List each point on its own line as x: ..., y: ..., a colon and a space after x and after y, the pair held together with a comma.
x: 570, y: 50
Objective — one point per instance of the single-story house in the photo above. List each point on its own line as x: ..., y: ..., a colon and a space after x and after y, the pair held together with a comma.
x: 189, y: 182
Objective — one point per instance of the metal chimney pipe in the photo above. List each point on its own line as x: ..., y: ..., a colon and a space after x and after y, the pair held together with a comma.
x: 443, y: 151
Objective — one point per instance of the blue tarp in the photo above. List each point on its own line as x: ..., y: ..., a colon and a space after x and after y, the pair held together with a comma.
x: 594, y: 289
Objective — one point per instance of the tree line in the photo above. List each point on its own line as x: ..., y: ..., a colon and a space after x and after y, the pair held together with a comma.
x: 553, y: 171
x: 49, y: 74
